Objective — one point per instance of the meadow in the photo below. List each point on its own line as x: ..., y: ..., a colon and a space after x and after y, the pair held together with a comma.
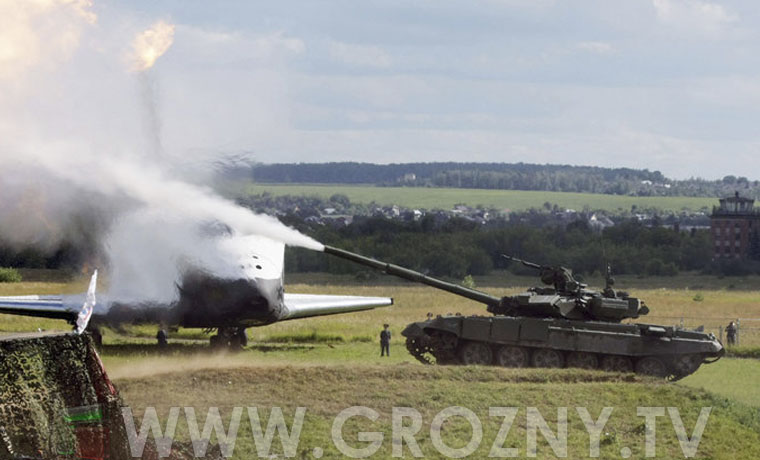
x: 513, y: 200
x: 732, y: 430
x: 327, y: 364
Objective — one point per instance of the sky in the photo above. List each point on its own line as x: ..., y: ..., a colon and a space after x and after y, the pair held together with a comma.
x: 668, y: 85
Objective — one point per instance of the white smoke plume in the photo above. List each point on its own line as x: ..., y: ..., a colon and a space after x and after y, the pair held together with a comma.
x: 69, y: 155
x: 27, y: 25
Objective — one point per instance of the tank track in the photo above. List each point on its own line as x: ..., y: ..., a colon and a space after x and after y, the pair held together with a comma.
x: 447, y: 349
x: 436, y: 348
x: 420, y: 350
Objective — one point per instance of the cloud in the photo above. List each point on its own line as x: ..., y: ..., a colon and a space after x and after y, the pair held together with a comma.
x: 596, y: 47
x: 694, y: 16
x: 269, y: 44
x: 219, y: 48
x: 360, y: 55
x: 403, y: 81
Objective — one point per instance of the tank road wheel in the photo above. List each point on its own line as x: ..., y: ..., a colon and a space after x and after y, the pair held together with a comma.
x: 582, y: 360
x: 615, y: 363
x: 475, y: 353
x: 546, y: 357
x: 686, y: 364
x: 511, y: 356
x: 443, y: 345
x: 649, y: 365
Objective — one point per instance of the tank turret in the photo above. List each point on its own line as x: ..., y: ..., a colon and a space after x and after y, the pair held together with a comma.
x: 568, y: 298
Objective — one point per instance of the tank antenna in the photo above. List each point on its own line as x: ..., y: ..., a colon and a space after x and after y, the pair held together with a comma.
x: 608, y: 280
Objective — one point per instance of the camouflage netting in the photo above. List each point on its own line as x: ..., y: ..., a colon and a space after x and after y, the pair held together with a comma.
x: 57, y: 402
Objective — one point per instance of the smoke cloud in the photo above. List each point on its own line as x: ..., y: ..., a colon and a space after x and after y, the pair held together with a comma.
x: 76, y: 166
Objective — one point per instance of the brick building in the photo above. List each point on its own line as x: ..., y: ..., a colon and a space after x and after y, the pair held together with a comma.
x: 735, y: 225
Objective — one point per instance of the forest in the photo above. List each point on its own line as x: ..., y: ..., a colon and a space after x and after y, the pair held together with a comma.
x: 461, y: 248
x: 458, y: 247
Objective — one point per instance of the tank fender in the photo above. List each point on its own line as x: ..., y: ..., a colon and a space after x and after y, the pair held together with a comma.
x: 452, y: 324
x: 414, y: 330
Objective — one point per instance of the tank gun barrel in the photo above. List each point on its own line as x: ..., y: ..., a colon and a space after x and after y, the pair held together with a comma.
x: 414, y: 276
x: 524, y: 262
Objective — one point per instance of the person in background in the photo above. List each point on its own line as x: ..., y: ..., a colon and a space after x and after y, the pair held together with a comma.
x: 162, y: 338
x: 731, y: 333
x: 385, y: 341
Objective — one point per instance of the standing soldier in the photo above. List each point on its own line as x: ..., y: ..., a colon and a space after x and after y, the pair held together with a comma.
x: 385, y: 341
x: 731, y: 333
x: 162, y: 338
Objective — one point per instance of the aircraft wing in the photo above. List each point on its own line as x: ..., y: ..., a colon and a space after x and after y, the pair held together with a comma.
x: 43, y: 306
x: 305, y: 305
x: 69, y: 308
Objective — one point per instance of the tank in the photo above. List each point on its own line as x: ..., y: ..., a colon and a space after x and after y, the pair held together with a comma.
x: 560, y: 324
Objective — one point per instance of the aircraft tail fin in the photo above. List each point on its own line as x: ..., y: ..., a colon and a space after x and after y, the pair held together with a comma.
x: 89, y: 305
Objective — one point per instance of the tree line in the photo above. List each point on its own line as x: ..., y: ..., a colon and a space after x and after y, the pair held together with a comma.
x: 504, y: 176
x: 457, y: 247
x: 463, y: 248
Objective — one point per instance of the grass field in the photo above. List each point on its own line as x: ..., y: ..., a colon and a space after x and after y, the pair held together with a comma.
x: 732, y: 430
x: 327, y: 364
x: 514, y: 200
x: 732, y: 378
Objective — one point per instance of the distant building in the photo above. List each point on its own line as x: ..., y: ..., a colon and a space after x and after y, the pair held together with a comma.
x: 734, y: 225
x: 599, y: 222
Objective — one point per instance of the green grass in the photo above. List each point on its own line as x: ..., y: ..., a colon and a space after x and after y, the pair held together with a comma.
x: 732, y: 431
x: 327, y: 364
x: 514, y: 200
x: 732, y: 378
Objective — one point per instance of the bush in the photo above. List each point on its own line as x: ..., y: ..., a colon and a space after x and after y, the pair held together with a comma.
x: 9, y: 275
x: 468, y: 282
